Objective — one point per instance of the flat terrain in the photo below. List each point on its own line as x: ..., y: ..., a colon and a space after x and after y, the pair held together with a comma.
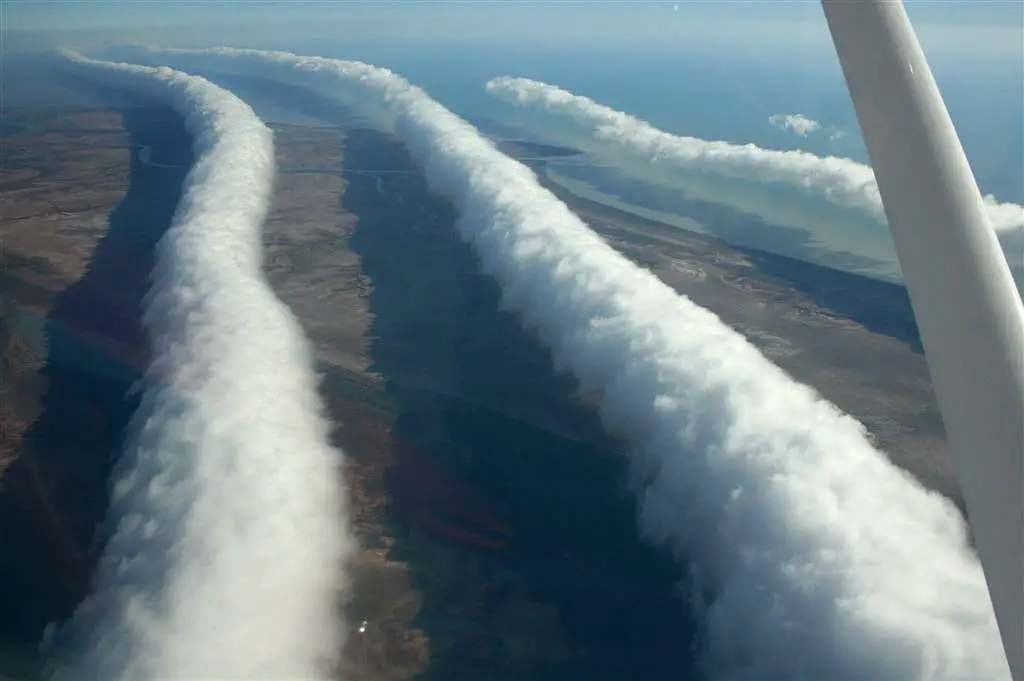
x: 474, y: 565
x: 79, y: 217
x: 61, y: 174
x: 498, y: 540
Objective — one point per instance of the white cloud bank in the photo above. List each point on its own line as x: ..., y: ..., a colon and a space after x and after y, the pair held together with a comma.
x: 797, y: 123
x: 227, y: 513
x: 616, y: 135
x: 811, y: 555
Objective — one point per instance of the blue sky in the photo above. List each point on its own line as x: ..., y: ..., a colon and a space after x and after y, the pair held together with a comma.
x: 986, y: 25
x: 65, y: 14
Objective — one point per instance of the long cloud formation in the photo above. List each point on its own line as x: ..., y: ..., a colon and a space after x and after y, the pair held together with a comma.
x: 615, y: 134
x: 811, y: 555
x: 226, y: 544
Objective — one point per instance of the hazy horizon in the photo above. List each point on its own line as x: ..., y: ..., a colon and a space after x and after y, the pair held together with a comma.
x: 985, y: 29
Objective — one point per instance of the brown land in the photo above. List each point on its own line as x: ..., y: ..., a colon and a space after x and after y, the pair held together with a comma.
x: 61, y: 174
x: 313, y: 271
x: 78, y: 220
x: 387, y: 314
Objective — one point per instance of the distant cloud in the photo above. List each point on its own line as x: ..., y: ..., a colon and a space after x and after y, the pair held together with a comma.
x: 798, y: 123
x: 804, y: 126
x: 623, y: 138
